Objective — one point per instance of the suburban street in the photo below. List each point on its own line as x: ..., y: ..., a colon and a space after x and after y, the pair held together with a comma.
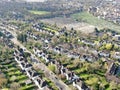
x: 48, y: 73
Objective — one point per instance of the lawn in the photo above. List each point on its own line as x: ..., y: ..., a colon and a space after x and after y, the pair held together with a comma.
x: 49, y: 29
x: 85, y: 76
x: 30, y: 87
x: 39, y: 12
x: 51, y: 84
x: 92, y: 20
x: 15, y: 71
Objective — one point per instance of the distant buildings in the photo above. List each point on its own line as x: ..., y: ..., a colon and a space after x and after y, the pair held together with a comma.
x: 108, y: 10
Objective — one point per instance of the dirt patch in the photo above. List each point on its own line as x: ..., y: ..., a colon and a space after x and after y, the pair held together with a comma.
x: 70, y: 23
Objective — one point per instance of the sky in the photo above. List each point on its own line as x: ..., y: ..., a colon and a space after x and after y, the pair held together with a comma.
x: 35, y: 0
x: 29, y: 0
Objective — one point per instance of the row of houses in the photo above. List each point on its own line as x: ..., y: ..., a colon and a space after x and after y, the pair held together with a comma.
x: 37, y: 37
x: 113, y: 72
x: 6, y: 33
x: 89, y: 53
x: 89, y: 57
x: 39, y: 28
x: 5, y: 38
x: 27, y: 68
x: 70, y: 76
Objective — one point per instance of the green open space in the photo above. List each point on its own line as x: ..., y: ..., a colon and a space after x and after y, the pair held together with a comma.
x: 92, y: 20
x: 12, y: 72
x: 39, y: 12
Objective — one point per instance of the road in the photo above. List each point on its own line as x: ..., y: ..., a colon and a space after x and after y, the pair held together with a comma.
x: 61, y: 85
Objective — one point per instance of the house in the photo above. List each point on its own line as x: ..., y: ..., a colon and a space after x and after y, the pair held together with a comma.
x: 88, y: 42
x: 116, y: 37
x: 116, y: 55
x: 57, y: 49
x: 28, y: 82
x: 87, y: 57
x: 8, y: 35
x: 103, y: 54
x: 43, y: 55
x: 19, y: 59
x: 26, y: 65
x: 73, y: 55
x: 80, y: 85
x: 37, y: 52
x: 68, y: 75
x: 112, y: 69
x: 62, y: 69
x: 113, y: 72
x: 62, y: 31
x: 118, y: 71
x: 32, y: 74
x: 40, y: 83
x: 47, y: 88
x: 10, y: 45
x: 34, y: 60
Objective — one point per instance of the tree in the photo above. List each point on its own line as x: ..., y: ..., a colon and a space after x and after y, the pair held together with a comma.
x: 1, y: 34
x: 27, y: 54
x: 96, y: 30
x: 72, y: 29
x: 108, y: 46
x: 105, y: 36
x: 52, y: 68
x: 54, y: 41
x: 3, y: 81
x: 38, y: 45
x: 77, y: 63
x: 116, y: 46
x: 113, y: 85
x: 13, y: 78
x: 63, y: 77
x: 36, y: 66
x: 101, y: 86
x: 15, y: 86
x: 22, y: 38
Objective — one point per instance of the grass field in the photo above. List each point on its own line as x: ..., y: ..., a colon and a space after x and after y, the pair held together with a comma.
x: 39, y: 12
x: 92, y: 20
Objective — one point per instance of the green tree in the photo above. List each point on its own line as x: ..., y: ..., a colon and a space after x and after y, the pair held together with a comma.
x: 109, y: 46
x: 15, y: 86
x: 1, y: 34
x: 113, y: 85
x: 13, y: 78
x: 3, y: 81
x: 22, y: 38
x: 116, y: 46
x: 52, y: 68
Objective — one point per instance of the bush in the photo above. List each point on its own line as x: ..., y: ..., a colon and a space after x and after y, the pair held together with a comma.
x: 15, y: 86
